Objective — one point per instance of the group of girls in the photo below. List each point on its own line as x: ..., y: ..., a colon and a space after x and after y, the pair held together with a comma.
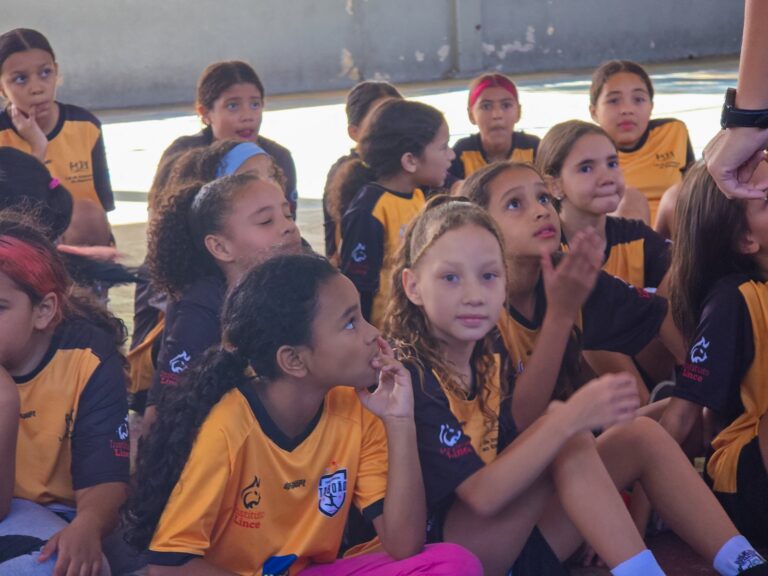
x: 448, y: 366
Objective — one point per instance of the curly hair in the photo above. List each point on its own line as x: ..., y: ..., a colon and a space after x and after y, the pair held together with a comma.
x: 274, y: 305
x: 177, y: 255
x: 407, y: 324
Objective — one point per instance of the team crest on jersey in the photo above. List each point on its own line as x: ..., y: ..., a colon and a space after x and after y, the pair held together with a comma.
x: 358, y: 254
x: 122, y: 430
x: 699, y: 351
x: 332, y: 492
x: 180, y: 362
x: 449, y: 436
x: 250, y: 494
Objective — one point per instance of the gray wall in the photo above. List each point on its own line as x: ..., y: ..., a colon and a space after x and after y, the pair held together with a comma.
x: 115, y: 53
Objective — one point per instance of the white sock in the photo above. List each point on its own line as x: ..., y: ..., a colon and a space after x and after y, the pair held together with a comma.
x: 643, y: 563
x: 735, y: 556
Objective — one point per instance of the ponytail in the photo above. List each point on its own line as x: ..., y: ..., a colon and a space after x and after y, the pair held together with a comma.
x: 345, y: 184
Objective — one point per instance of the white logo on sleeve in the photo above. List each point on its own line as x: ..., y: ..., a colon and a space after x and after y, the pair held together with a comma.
x: 122, y: 430
x: 358, y: 254
x: 180, y: 362
x: 699, y: 351
x: 449, y: 436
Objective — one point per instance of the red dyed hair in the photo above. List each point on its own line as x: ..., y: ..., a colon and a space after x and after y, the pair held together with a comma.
x: 485, y: 81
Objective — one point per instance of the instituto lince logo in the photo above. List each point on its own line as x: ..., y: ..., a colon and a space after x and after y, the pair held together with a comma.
x: 699, y: 351
x: 250, y: 494
x: 358, y: 254
x: 180, y: 362
x: 449, y: 436
x: 332, y: 492
x: 122, y: 430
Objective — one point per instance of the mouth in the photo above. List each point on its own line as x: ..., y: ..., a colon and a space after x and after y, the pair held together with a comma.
x: 245, y: 134
x: 472, y: 320
x: 627, y: 126
x: 546, y: 232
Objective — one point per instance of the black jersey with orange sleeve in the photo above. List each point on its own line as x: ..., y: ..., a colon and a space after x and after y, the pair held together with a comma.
x: 658, y: 160
x: 616, y: 317
x: 372, y: 231
x: 470, y: 155
x: 75, y: 154
x: 724, y: 372
x: 251, y: 500
x: 634, y: 252
x: 73, y: 429
x: 280, y: 154
x: 192, y: 325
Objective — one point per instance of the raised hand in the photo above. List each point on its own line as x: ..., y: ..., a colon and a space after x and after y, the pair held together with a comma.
x: 603, y: 402
x: 393, y: 397
x: 732, y: 157
x: 28, y: 128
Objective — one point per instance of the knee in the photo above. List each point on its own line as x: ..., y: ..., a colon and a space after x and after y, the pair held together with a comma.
x: 573, y: 452
x: 453, y: 559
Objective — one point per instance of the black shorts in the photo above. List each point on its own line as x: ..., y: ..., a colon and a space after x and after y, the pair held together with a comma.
x: 748, y: 507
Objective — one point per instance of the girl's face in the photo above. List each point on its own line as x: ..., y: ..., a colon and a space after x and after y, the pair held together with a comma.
x: 495, y: 113
x: 431, y: 167
x: 591, y: 179
x: 235, y: 114
x: 519, y: 202
x: 259, y: 225
x: 18, y: 321
x: 623, y: 108
x: 343, y: 343
x: 460, y: 284
x: 28, y: 81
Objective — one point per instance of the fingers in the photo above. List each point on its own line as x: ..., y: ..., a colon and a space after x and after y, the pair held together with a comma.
x: 384, y: 347
x: 49, y: 549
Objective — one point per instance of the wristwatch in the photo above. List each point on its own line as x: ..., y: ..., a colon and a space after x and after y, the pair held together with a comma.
x: 733, y: 117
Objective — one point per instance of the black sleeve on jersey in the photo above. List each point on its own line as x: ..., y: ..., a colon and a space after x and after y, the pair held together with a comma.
x: 362, y: 251
x: 721, y: 352
x: 101, y: 175
x: 446, y: 453
x: 100, y: 444
x: 621, y: 318
x: 191, y: 331
x: 656, y: 256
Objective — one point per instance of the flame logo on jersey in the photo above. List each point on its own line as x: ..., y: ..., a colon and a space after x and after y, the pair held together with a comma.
x: 449, y: 436
x: 250, y: 494
x: 332, y: 492
x: 699, y: 351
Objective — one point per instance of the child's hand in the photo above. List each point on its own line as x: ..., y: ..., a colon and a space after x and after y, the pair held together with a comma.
x: 78, y: 548
x: 27, y: 127
x: 569, y: 285
x: 603, y: 402
x: 393, y: 397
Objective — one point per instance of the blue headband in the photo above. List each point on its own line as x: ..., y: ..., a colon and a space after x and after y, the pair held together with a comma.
x: 236, y: 157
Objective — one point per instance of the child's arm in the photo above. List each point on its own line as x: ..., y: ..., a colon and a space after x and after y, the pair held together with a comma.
x: 401, y: 525
x: 9, y: 429
x: 27, y: 127
x: 567, y: 287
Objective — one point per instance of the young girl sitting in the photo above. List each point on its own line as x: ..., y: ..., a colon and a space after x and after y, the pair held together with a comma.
x: 581, y: 166
x: 230, y: 102
x: 527, y: 499
x: 258, y: 455
x: 494, y: 107
x: 71, y: 464
x: 66, y: 137
x: 553, y: 313
x: 363, y: 98
x: 718, y: 297
x: 653, y: 154
x: 403, y: 147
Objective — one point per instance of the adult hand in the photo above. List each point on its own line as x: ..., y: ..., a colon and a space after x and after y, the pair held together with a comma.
x: 732, y: 157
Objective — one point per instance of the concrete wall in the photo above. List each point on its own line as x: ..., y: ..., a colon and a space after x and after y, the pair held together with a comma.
x: 117, y: 53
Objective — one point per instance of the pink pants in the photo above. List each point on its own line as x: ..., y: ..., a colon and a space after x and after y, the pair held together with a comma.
x: 435, y: 560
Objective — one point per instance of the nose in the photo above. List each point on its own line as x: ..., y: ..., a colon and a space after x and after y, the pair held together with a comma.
x: 473, y: 293
x: 372, y: 334
x: 541, y: 211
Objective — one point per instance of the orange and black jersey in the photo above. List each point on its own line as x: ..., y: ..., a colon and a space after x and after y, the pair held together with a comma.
x: 634, y: 252
x: 192, y: 325
x: 724, y: 372
x: 616, y: 317
x: 73, y: 431
x: 372, y: 231
x: 280, y: 154
x: 658, y: 160
x: 331, y: 226
x: 75, y: 155
x: 470, y: 156
x: 251, y: 500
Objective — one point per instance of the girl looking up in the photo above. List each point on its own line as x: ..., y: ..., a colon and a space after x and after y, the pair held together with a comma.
x: 403, y: 147
x: 494, y: 107
x: 258, y: 455
x: 653, y: 154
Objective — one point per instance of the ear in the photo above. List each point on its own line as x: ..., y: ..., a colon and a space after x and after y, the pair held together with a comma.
x: 748, y: 244
x: 593, y: 112
x: 353, y: 132
x: 219, y: 248
x: 411, y: 287
x: 555, y: 186
x: 46, y: 311
x: 202, y: 111
x: 471, y: 116
x: 409, y: 162
x: 290, y: 360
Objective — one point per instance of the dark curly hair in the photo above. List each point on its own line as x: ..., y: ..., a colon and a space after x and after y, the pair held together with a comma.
x: 274, y: 305
x: 177, y: 255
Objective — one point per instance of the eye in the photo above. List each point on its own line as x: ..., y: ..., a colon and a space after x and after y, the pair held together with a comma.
x: 19, y: 79
x: 266, y: 222
x: 231, y: 106
x: 490, y: 276
x: 451, y: 277
x: 256, y: 104
x: 612, y: 101
x: 585, y: 169
x: 45, y: 72
x: 544, y: 199
x: 351, y: 323
x: 507, y: 105
x: 513, y: 204
x: 613, y: 163
x: 640, y: 99
x: 485, y: 106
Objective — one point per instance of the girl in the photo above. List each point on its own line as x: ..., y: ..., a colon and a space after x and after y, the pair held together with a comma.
x: 230, y: 102
x: 581, y: 166
x: 653, y: 154
x: 363, y: 99
x: 551, y: 312
x: 201, y: 240
x: 494, y: 107
x: 527, y: 499
x: 718, y: 295
x: 71, y: 465
x: 403, y: 147
x: 67, y: 138
x: 248, y: 468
